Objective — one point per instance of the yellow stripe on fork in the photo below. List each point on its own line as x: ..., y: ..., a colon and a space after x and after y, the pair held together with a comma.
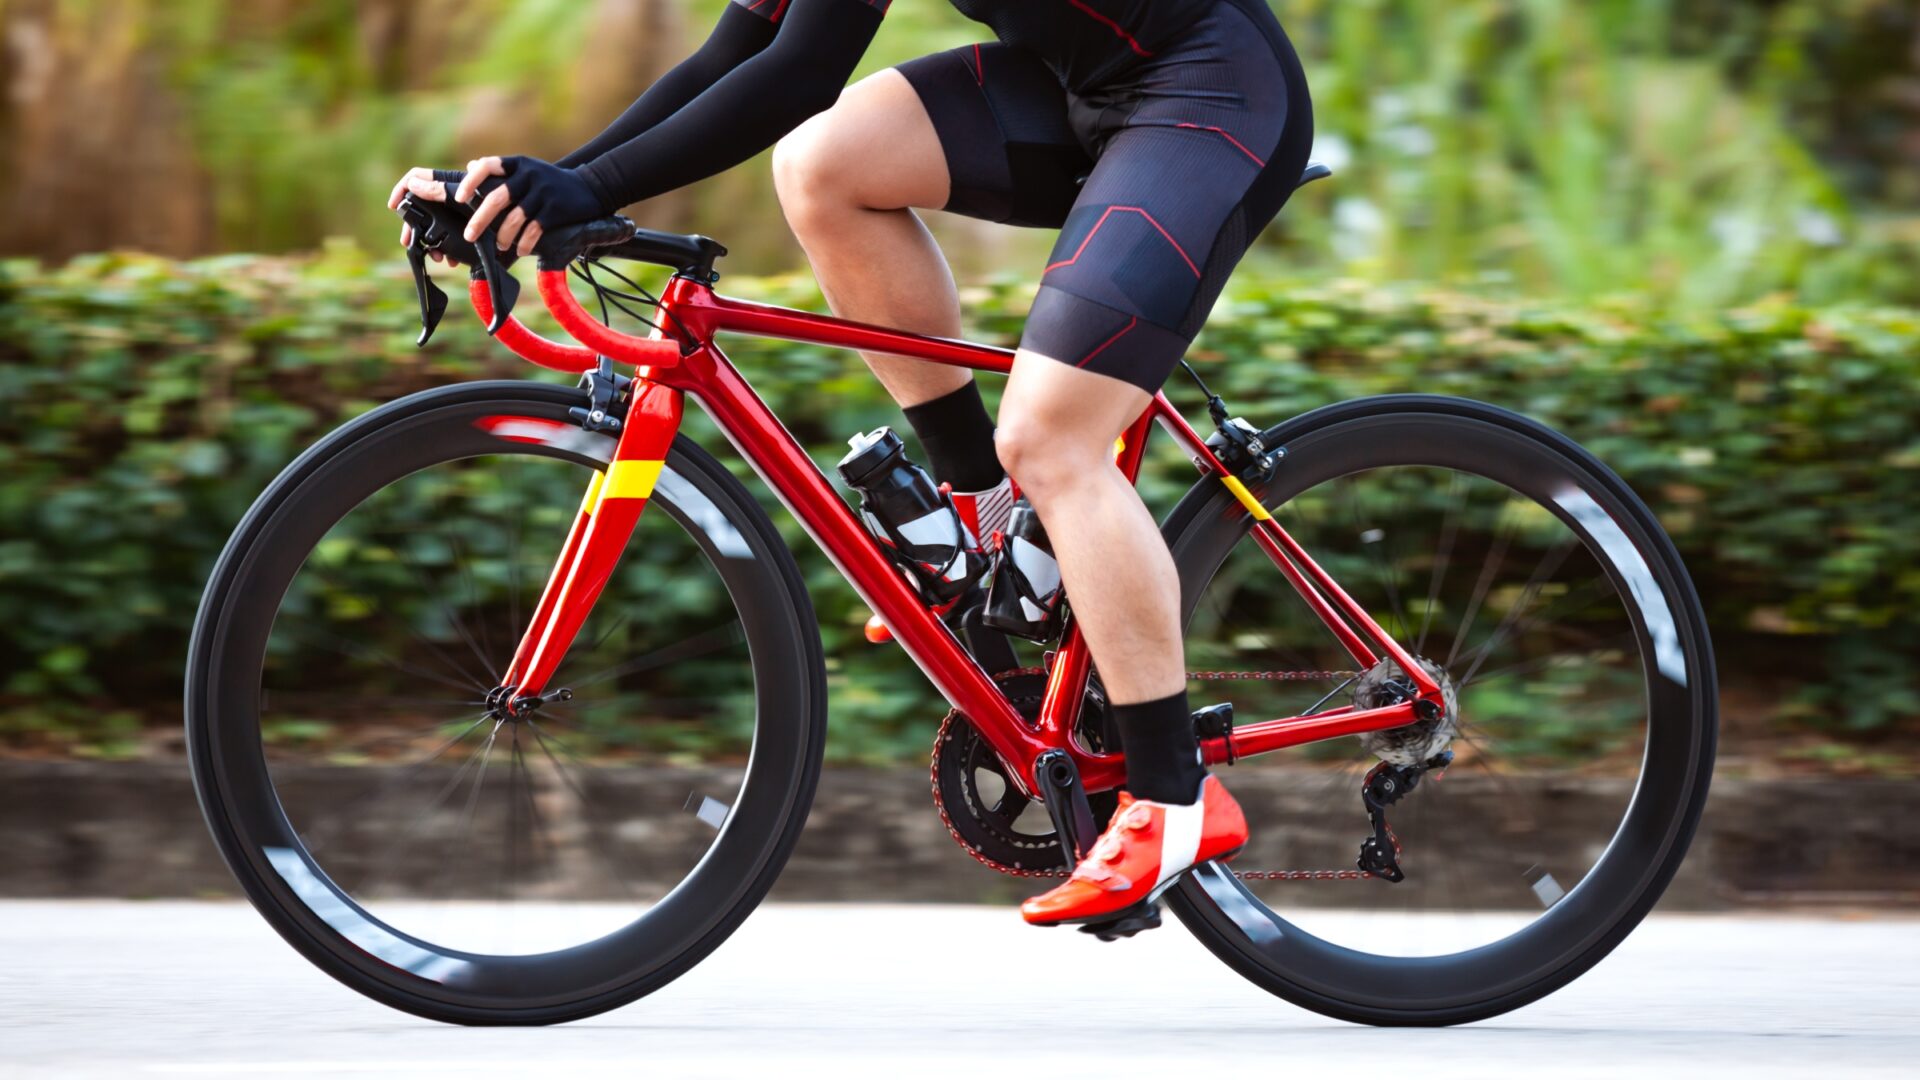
x: 592, y: 498
x: 1246, y: 498
x: 631, y: 479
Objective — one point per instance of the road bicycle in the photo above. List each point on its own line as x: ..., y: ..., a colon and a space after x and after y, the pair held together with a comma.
x: 563, y: 745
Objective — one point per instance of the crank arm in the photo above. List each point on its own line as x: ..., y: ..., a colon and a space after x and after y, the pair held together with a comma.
x: 1058, y: 781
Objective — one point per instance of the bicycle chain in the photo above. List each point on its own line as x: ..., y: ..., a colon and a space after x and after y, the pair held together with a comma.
x: 1218, y: 676
x: 946, y: 819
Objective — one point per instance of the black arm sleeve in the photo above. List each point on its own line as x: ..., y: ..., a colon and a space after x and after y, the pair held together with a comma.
x: 737, y: 37
x: 818, y: 44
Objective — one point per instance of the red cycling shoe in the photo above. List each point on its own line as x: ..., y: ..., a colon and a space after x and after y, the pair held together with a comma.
x: 1146, y: 847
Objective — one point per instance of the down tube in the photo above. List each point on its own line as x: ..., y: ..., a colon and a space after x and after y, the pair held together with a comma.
x: 780, y: 460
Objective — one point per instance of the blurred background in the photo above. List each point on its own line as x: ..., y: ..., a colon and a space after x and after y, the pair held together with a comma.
x: 1686, y: 234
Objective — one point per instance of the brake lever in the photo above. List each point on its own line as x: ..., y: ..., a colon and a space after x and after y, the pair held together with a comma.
x: 502, y: 288
x: 482, y: 256
x: 433, y: 301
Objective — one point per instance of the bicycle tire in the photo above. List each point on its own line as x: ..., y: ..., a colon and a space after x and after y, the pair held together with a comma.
x: 239, y: 802
x: 1647, y: 849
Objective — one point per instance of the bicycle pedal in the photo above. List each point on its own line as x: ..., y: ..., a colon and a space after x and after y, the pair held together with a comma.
x: 1142, y: 916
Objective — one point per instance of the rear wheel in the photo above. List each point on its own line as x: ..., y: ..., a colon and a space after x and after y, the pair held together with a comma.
x: 1557, y: 613
x: 396, y: 829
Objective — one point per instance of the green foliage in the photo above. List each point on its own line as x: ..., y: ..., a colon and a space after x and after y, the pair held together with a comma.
x: 1710, y: 152
x: 144, y: 403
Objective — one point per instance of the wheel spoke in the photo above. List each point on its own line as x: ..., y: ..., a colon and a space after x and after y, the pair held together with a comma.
x: 702, y: 644
x: 1374, y: 541
x: 1449, y: 527
x: 1548, y: 564
x: 1489, y: 569
x: 447, y: 612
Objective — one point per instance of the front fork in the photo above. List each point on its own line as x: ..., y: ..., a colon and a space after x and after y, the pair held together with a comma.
x: 608, y: 513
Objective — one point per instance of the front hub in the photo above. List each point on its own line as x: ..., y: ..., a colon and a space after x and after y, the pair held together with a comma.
x: 506, y: 704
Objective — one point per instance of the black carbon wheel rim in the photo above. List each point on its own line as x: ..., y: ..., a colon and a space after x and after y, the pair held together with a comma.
x: 1652, y: 836
x: 405, y: 969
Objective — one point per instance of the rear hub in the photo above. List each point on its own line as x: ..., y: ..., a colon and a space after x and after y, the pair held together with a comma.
x: 1424, y: 739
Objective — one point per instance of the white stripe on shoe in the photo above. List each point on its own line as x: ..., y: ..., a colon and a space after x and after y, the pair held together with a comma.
x: 1181, y: 840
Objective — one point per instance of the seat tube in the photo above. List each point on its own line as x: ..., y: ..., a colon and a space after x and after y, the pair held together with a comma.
x: 606, y: 521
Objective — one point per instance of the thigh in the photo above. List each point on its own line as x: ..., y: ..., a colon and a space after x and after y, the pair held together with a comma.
x: 1001, y: 119
x: 1075, y: 413
x: 1197, y: 159
x: 876, y: 147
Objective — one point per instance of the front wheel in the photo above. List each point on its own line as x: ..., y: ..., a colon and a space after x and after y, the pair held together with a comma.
x: 391, y: 823
x: 1555, y: 612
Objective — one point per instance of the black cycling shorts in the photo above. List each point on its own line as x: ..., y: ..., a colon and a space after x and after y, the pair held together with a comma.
x: 1157, y: 182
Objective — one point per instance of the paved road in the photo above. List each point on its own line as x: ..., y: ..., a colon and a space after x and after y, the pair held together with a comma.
x: 118, y: 989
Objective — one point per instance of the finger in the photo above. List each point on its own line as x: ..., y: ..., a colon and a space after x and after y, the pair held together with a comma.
x: 530, y: 237
x: 439, y: 258
x: 478, y: 170
x: 426, y: 187
x: 400, y: 187
x: 489, y: 208
x: 510, y: 228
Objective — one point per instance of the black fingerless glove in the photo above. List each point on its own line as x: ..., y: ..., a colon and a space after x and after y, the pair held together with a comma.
x: 450, y: 179
x: 549, y: 194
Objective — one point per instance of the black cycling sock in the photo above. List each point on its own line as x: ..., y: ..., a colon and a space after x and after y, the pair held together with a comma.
x: 957, y: 432
x: 1163, y: 753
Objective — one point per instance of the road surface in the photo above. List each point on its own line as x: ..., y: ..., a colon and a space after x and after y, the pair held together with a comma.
x: 97, y: 988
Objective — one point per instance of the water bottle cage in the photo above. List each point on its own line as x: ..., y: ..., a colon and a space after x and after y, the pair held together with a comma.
x: 933, y: 582
x: 1024, y: 588
x: 1015, y: 618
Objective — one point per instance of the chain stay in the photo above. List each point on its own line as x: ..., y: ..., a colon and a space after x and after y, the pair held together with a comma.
x: 1221, y: 676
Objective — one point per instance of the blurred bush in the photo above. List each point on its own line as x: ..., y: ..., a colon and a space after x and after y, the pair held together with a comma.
x: 146, y: 402
x: 1707, y: 151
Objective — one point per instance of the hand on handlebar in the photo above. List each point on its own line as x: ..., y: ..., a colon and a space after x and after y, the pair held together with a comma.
x: 436, y: 185
x: 528, y: 197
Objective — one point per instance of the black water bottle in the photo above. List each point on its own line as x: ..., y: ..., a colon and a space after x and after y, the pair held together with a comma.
x: 912, y: 518
x: 1024, y: 596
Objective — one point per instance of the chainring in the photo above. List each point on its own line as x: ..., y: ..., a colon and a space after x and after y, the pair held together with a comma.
x: 985, y: 812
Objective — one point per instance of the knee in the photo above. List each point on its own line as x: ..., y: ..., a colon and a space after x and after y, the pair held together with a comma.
x: 1042, y: 461
x: 810, y: 172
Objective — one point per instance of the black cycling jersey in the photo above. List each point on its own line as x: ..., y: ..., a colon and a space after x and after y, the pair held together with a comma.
x: 1159, y: 136
x: 1086, y: 41
x: 758, y: 77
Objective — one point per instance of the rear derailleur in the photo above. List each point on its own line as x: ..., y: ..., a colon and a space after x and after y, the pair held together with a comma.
x: 1385, y: 785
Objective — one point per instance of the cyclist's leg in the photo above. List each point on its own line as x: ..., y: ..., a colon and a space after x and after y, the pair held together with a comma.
x: 1197, y: 156
x: 1196, y: 159
x: 979, y: 131
x: 1057, y: 431
x: 847, y: 180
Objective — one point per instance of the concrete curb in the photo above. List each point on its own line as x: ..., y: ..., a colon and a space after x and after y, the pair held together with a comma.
x: 134, y: 830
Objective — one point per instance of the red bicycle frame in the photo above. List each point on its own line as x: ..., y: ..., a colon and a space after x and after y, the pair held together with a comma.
x: 687, y: 361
